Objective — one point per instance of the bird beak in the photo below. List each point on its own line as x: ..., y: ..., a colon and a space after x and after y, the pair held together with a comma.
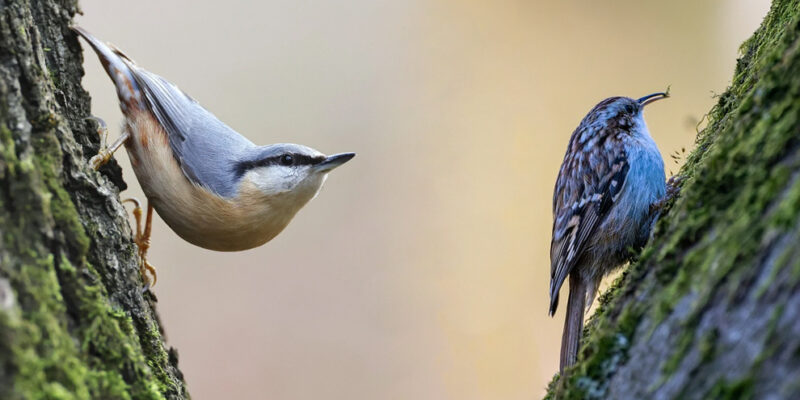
x: 652, y: 97
x: 334, y: 161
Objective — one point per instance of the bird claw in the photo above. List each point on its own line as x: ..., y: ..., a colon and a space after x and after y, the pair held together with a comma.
x: 146, y: 268
x: 142, y: 241
x: 674, y: 186
x: 105, y: 153
x: 100, y: 159
x: 673, y: 190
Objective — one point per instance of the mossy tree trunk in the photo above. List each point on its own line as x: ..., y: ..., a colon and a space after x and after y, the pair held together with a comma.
x: 73, y: 320
x: 712, y: 307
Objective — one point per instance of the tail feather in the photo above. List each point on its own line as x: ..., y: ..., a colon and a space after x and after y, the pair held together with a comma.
x: 573, y: 325
x: 119, y: 67
x: 553, y: 303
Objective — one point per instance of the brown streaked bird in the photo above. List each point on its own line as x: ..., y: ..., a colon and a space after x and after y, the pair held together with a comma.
x: 608, y: 194
x: 211, y: 185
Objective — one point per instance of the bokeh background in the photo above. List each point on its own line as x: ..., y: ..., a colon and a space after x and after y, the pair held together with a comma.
x: 421, y: 270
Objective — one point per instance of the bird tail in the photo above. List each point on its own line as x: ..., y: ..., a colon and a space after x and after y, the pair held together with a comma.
x: 119, y: 67
x: 573, y: 325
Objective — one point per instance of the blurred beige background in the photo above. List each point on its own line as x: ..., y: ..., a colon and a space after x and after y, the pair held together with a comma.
x: 421, y: 270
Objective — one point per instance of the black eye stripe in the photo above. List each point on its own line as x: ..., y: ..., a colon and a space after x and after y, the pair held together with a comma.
x: 297, y: 160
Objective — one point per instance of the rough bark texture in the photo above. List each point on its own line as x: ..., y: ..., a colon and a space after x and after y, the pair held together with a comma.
x: 74, y: 323
x: 712, y: 307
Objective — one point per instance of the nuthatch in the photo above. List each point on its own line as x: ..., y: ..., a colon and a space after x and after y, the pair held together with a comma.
x: 609, y: 192
x: 211, y: 185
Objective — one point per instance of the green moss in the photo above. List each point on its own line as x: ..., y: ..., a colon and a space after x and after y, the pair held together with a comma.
x: 795, y: 275
x: 736, y: 390
x: 45, y: 356
x: 62, y: 338
x: 683, y: 344
x: 708, y: 345
x: 7, y: 152
x: 49, y: 364
x: 59, y: 203
x: 157, y: 358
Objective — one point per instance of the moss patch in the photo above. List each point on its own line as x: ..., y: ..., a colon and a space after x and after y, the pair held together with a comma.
x: 73, y: 323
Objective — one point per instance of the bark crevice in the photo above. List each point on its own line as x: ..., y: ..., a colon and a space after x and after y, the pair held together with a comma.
x: 73, y: 321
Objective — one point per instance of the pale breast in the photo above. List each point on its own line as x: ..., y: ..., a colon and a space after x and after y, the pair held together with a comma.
x: 630, y: 220
x: 195, y: 214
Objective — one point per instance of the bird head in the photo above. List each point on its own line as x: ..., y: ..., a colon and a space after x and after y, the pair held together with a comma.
x: 615, y: 114
x: 288, y: 173
x: 624, y: 107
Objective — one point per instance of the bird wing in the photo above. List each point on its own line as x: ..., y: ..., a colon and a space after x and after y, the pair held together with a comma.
x: 205, y: 148
x: 590, y: 180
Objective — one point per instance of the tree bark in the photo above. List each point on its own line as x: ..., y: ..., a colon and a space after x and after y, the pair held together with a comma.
x: 74, y: 323
x: 711, y: 309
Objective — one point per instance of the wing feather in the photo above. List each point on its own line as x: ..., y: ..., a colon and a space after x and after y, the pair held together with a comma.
x: 206, y: 149
x: 591, y: 178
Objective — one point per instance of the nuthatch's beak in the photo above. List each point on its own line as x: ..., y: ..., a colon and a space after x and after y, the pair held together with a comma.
x: 333, y: 161
x: 652, y: 97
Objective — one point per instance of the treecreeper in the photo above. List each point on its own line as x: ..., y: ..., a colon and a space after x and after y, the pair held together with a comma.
x: 610, y: 190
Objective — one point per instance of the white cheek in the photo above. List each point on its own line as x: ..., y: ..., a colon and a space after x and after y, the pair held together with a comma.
x: 641, y: 126
x: 318, y: 182
x: 642, y: 134
x: 273, y: 179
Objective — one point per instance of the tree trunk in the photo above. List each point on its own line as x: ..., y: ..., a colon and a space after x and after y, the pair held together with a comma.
x: 712, y: 307
x: 73, y: 320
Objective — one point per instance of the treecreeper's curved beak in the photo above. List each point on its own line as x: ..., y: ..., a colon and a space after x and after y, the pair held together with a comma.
x: 643, y: 101
x: 334, y: 161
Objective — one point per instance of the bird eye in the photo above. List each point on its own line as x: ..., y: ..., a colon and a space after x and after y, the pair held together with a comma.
x: 287, y: 160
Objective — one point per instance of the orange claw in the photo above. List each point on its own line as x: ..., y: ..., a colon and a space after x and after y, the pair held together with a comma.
x: 142, y: 240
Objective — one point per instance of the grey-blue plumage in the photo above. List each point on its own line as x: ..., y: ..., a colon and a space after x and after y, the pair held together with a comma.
x: 211, y: 185
x: 206, y: 148
x: 603, y: 204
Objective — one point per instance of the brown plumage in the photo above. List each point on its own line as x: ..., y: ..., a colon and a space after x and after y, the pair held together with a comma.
x: 611, y: 175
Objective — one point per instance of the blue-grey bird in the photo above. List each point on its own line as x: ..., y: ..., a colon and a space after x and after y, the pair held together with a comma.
x: 211, y: 185
x: 608, y: 194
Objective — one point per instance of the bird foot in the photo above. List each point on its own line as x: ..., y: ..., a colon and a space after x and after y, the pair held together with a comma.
x: 673, y: 190
x: 144, y: 269
x: 674, y: 186
x: 100, y: 159
x: 142, y: 241
x: 105, y: 153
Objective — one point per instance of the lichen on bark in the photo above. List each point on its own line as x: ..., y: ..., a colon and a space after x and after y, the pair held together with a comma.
x: 74, y: 323
x: 710, y: 309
